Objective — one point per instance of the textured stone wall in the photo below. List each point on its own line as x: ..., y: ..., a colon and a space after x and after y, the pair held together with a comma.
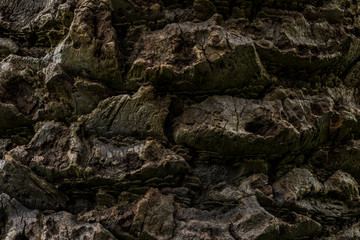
x: 204, y: 119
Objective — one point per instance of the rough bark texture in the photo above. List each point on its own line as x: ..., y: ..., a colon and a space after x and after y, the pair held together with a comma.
x: 170, y: 119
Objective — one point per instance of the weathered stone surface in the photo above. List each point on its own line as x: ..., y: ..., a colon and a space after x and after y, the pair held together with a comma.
x: 295, y: 185
x: 11, y: 117
x: 19, y: 222
x: 155, y: 216
x: 167, y: 119
x: 90, y: 48
x: 198, y: 224
x: 18, y: 14
x: 191, y: 56
x: 87, y: 95
x: 61, y: 160
x: 305, y: 43
x: 142, y: 114
x: 79, y: 96
x: 274, y: 126
x: 140, y: 165
x: 7, y: 46
x: 253, y: 222
x: 119, y: 170
x: 64, y: 224
x: 117, y: 219
x: 343, y: 185
x: 36, y: 194
x: 352, y: 232
x: 250, y: 126
x: 343, y: 157
x: 36, y: 24
x: 21, y: 75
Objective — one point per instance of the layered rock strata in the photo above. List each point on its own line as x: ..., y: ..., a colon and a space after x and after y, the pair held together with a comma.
x: 204, y: 119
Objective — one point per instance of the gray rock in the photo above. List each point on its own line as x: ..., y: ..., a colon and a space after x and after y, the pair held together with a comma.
x: 290, y: 43
x: 79, y: 94
x: 260, y: 92
x: 143, y: 164
x: 18, y: 221
x: 343, y: 157
x: 251, y: 221
x: 64, y: 224
x: 193, y: 223
x: 325, y: 209
x: 255, y: 185
x: 87, y: 95
x: 18, y: 14
x: 14, y: 66
x: 20, y: 74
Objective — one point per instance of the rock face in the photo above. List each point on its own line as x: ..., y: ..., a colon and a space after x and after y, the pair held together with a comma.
x: 201, y: 119
x: 190, y: 56
x: 142, y: 114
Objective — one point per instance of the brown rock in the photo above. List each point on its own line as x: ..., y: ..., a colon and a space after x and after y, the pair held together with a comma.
x: 295, y: 185
x: 90, y: 48
x: 142, y: 115
x: 343, y: 185
x: 190, y: 57
x: 154, y: 216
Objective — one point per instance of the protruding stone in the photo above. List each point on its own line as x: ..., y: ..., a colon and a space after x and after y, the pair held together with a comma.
x: 36, y: 193
x: 11, y: 117
x: 7, y: 46
x: 142, y: 114
x: 90, y: 50
x: 190, y: 57
x: 154, y: 216
x: 342, y: 185
x: 295, y: 185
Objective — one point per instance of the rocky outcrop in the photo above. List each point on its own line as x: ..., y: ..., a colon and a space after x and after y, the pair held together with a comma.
x: 90, y: 48
x: 191, y: 56
x: 274, y: 126
x: 295, y: 185
x: 141, y: 115
x: 20, y: 222
x: 201, y: 119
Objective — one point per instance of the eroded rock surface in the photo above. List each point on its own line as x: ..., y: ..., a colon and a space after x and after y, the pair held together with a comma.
x: 201, y: 119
